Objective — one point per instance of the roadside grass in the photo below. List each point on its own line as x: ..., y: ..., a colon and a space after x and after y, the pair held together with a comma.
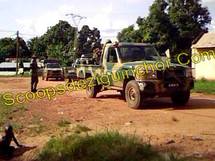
x: 78, y: 129
x: 63, y: 123
x: 7, y: 113
x: 36, y: 126
x: 105, y: 146
x: 35, y: 130
x: 204, y: 86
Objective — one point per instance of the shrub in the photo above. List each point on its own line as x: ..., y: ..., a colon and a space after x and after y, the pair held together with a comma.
x: 109, y: 146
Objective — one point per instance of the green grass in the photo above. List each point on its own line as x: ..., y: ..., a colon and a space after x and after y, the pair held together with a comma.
x: 36, y: 126
x: 108, y: 146
x: 80, y: 128
x: 204, y: 86
x: 63, y: 123
x: 7, y: 112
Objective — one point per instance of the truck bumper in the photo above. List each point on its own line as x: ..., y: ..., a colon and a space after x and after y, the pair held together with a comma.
x: 152, y: 88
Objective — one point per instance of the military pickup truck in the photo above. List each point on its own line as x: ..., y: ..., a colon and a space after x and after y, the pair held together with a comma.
x: 138, y: 72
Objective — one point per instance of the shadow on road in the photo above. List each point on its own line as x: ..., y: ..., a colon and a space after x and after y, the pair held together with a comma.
x: 162, y: 103
x: 18, y: 152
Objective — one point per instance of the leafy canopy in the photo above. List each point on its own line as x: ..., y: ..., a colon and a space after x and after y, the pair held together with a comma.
x: 172, y: 24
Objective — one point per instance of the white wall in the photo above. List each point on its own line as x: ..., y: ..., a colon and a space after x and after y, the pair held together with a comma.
x: 204, y: 69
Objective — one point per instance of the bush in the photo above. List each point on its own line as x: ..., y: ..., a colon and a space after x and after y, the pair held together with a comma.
x: 204, y: 86
x: 109, y: 146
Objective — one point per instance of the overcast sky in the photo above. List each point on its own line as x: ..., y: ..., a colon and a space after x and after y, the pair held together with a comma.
x: 32, y: 17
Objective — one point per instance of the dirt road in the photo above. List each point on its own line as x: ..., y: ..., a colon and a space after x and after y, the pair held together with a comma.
x: 189, y: 130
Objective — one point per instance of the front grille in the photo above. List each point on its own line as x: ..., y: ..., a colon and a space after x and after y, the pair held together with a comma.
x: 56, y: 72
x: 160, y: 75
x: 180, y: 73
x: 174, y: 76
x: 174, y: 73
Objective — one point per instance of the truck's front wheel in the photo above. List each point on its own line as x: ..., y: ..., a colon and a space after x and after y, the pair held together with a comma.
x: 133, y: 95
x: 180, y: 98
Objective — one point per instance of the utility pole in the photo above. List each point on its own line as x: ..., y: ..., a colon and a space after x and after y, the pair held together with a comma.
x: 17, y: 52
x: 76, y: 21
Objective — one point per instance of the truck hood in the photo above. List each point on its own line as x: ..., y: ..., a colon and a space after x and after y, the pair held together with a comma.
x: 133, y: 65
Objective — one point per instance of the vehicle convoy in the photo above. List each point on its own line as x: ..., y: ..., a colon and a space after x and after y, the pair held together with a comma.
x: 52, y: 70
x: 138, y: 72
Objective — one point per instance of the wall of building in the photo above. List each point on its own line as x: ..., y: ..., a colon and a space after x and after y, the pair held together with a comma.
x: 204, y: 69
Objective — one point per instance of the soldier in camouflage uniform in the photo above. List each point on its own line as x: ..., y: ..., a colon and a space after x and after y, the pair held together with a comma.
x: 34, y: 74
x: 96, y: 56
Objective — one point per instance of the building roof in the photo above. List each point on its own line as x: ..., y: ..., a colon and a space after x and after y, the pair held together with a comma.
x: 206, y: 41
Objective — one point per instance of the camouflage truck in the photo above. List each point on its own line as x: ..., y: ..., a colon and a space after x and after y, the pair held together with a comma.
x: 138, y: 72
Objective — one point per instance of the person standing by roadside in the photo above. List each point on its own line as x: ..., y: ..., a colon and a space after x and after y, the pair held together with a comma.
x: 34, y: 74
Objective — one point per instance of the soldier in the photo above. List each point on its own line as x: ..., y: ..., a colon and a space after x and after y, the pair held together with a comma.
x: 34, y: 74
x: 5, y: 148
x: 96, y: 55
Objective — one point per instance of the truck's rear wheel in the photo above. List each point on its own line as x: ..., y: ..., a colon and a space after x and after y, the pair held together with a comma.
x: 133, y: 95
x: 180, y: 98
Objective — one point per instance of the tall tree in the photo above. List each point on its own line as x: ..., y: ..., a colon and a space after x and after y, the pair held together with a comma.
x: 24, y: 51
x: 190, y: 19
x: 128, y: 34
x: 62, y: 32
x: 87, y: 39
x: 37, y: 46
x: 172, y: 24
x: 8, y: 48
x: 157, y: 28
x: 57, y: 42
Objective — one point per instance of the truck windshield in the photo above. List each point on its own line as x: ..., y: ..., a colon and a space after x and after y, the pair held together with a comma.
x: 138, y: 53
x: 53, y: 65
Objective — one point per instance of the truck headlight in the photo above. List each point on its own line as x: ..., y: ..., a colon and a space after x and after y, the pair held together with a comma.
x: 152, y: 75
x: 142, y: 74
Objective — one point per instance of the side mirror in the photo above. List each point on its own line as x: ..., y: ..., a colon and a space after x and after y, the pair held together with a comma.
x: 167, y: 53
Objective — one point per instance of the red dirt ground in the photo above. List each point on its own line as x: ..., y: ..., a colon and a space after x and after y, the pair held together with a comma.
x: 191, y: 129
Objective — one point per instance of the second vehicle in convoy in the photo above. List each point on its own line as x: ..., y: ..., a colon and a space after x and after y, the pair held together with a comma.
x: 52, y: 70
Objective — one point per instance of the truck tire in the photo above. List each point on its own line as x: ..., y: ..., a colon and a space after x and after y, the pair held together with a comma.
x: 122, y: 94
x: 133, y: 95
x: 180, y: 98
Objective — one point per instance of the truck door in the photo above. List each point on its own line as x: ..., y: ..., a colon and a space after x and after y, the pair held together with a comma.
x: 112, y: 64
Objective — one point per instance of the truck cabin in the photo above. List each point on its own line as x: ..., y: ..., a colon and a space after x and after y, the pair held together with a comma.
x: 129, y: 52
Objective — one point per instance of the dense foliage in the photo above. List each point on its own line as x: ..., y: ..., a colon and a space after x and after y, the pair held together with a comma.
x: 108, y: 146
x: 8, y: 48
x: 61, y: 42
x: 171, y: 24
x: 87, y: 40
x: 57, y: 42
